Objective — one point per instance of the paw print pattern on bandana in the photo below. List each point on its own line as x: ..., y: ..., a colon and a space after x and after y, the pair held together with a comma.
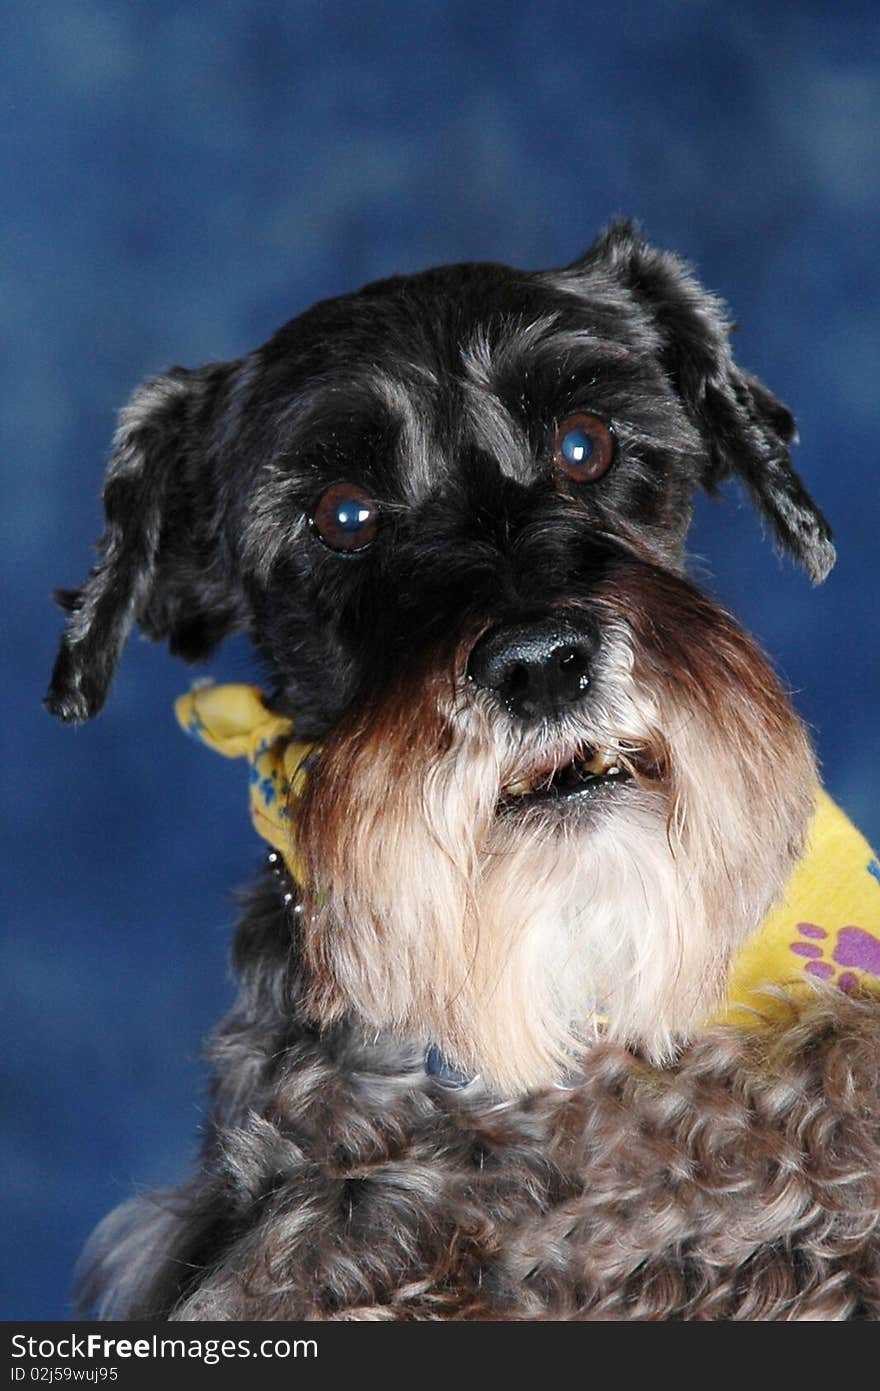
x: 837, y: 956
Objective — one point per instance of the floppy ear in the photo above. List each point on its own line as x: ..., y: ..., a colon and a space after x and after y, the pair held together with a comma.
x: 745, y: 429
x: 160, y: 561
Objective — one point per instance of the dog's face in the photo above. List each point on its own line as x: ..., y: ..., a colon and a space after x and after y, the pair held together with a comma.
x: 559, y: 785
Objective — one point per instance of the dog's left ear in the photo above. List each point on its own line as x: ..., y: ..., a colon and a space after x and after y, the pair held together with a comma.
x: 745, y: 429
x: 161, y: 560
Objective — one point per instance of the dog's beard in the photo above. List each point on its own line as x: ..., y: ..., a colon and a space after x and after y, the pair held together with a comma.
x: 510, y: 931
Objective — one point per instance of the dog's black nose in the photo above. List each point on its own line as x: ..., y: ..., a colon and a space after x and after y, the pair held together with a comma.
x: 536, y: 669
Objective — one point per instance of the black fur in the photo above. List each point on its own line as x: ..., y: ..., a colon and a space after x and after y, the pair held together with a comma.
x: 214, y: 471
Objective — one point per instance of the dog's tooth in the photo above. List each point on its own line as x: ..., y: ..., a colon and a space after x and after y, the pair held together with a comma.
x: 601, y: 763
x: 518, y: 788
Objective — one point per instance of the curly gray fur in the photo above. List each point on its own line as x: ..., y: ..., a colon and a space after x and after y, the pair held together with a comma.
x: 339, y: 1182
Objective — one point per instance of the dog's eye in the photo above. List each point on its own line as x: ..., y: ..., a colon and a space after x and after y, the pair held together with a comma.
x: 584, y: 447
x: 345, y: 518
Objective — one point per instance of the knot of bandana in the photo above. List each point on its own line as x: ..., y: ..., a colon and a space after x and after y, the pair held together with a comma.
x: 234, y: 721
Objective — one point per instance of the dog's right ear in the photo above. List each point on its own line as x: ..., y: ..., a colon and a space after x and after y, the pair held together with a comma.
x: 160, y: 559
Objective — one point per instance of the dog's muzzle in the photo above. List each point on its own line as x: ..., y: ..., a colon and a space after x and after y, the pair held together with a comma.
x: 538, y: 669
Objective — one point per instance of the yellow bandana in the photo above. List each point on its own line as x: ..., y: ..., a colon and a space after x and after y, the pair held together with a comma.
x: 827, y: 926
x: 233, y: 721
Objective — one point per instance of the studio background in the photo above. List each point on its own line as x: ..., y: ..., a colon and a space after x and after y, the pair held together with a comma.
x: 180, y: 178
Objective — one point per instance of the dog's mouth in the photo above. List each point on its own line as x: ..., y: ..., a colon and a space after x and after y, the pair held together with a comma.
x: 564, y: 777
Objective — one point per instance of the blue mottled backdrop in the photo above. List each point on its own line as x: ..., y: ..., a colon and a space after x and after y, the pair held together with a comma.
x: 178, y: 178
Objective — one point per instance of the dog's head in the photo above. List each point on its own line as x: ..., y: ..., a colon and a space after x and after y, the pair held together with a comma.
x: 559, y: 785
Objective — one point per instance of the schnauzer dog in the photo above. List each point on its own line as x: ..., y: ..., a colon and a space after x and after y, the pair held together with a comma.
x: 475, y: 1069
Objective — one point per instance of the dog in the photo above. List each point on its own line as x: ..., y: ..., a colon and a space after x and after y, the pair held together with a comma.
x: 544, y: 789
